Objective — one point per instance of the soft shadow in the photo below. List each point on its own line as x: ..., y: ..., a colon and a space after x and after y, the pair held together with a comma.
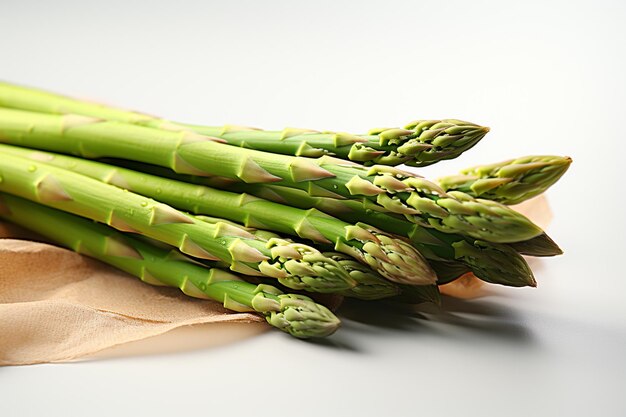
x: 369, y: 315
x: 454, y: 319
x: 335, y: 342
x: 486, y: 319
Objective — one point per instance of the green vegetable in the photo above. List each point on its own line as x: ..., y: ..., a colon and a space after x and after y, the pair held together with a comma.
x: 509, y: 182
x: 295, y: 314
x: 379, y: 187
x: 420, y: 143
x: 295, y: 265
x: 391, y: 257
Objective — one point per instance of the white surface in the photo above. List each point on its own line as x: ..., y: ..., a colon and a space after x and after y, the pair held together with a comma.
x: 547, y: 77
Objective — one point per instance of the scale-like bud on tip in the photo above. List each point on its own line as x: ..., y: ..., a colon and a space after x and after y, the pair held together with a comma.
x: 394, y: 259
x: 445, y: 139
x: 541, y: 245
x: 512, y: 181
x: 498, y: 264
x: 363, y: 153
x: 302, y: 317
x: 370, y: 285
x: 302, y: 267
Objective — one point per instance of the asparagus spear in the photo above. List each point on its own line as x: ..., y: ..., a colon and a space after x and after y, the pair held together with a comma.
x: 296, y: 266
x: 420, y: 143
x: 391, y: 257
x: 295, y: 314
x: 511, y: 181
x: 380, y: 187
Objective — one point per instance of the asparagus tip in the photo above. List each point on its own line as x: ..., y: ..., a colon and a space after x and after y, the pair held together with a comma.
x: 302, y: 317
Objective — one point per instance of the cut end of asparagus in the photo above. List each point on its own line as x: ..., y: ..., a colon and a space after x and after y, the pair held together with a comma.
x: 301, y: 317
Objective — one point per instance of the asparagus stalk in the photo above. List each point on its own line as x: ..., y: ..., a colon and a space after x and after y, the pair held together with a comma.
x: 420, y: 143
x: 296, y: 266
x: 298, y: 315
x: 391, y: 257
x: 369, y: 285
x: 511, y: 181
x: 380, y: 187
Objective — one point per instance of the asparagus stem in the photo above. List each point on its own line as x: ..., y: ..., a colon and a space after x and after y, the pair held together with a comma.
x: 295, y: 314
x: 380, y: 187
x: 511, y: 181
x: 296, y: 266
x: 420, y: 143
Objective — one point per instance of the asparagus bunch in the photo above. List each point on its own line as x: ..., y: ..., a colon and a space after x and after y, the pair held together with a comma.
x: 381, y: 188
x: 360, y: 230
x: 419, y: 143
x: 296, y: 314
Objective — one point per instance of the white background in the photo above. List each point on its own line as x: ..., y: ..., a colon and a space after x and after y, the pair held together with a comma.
x: 547, y: 77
